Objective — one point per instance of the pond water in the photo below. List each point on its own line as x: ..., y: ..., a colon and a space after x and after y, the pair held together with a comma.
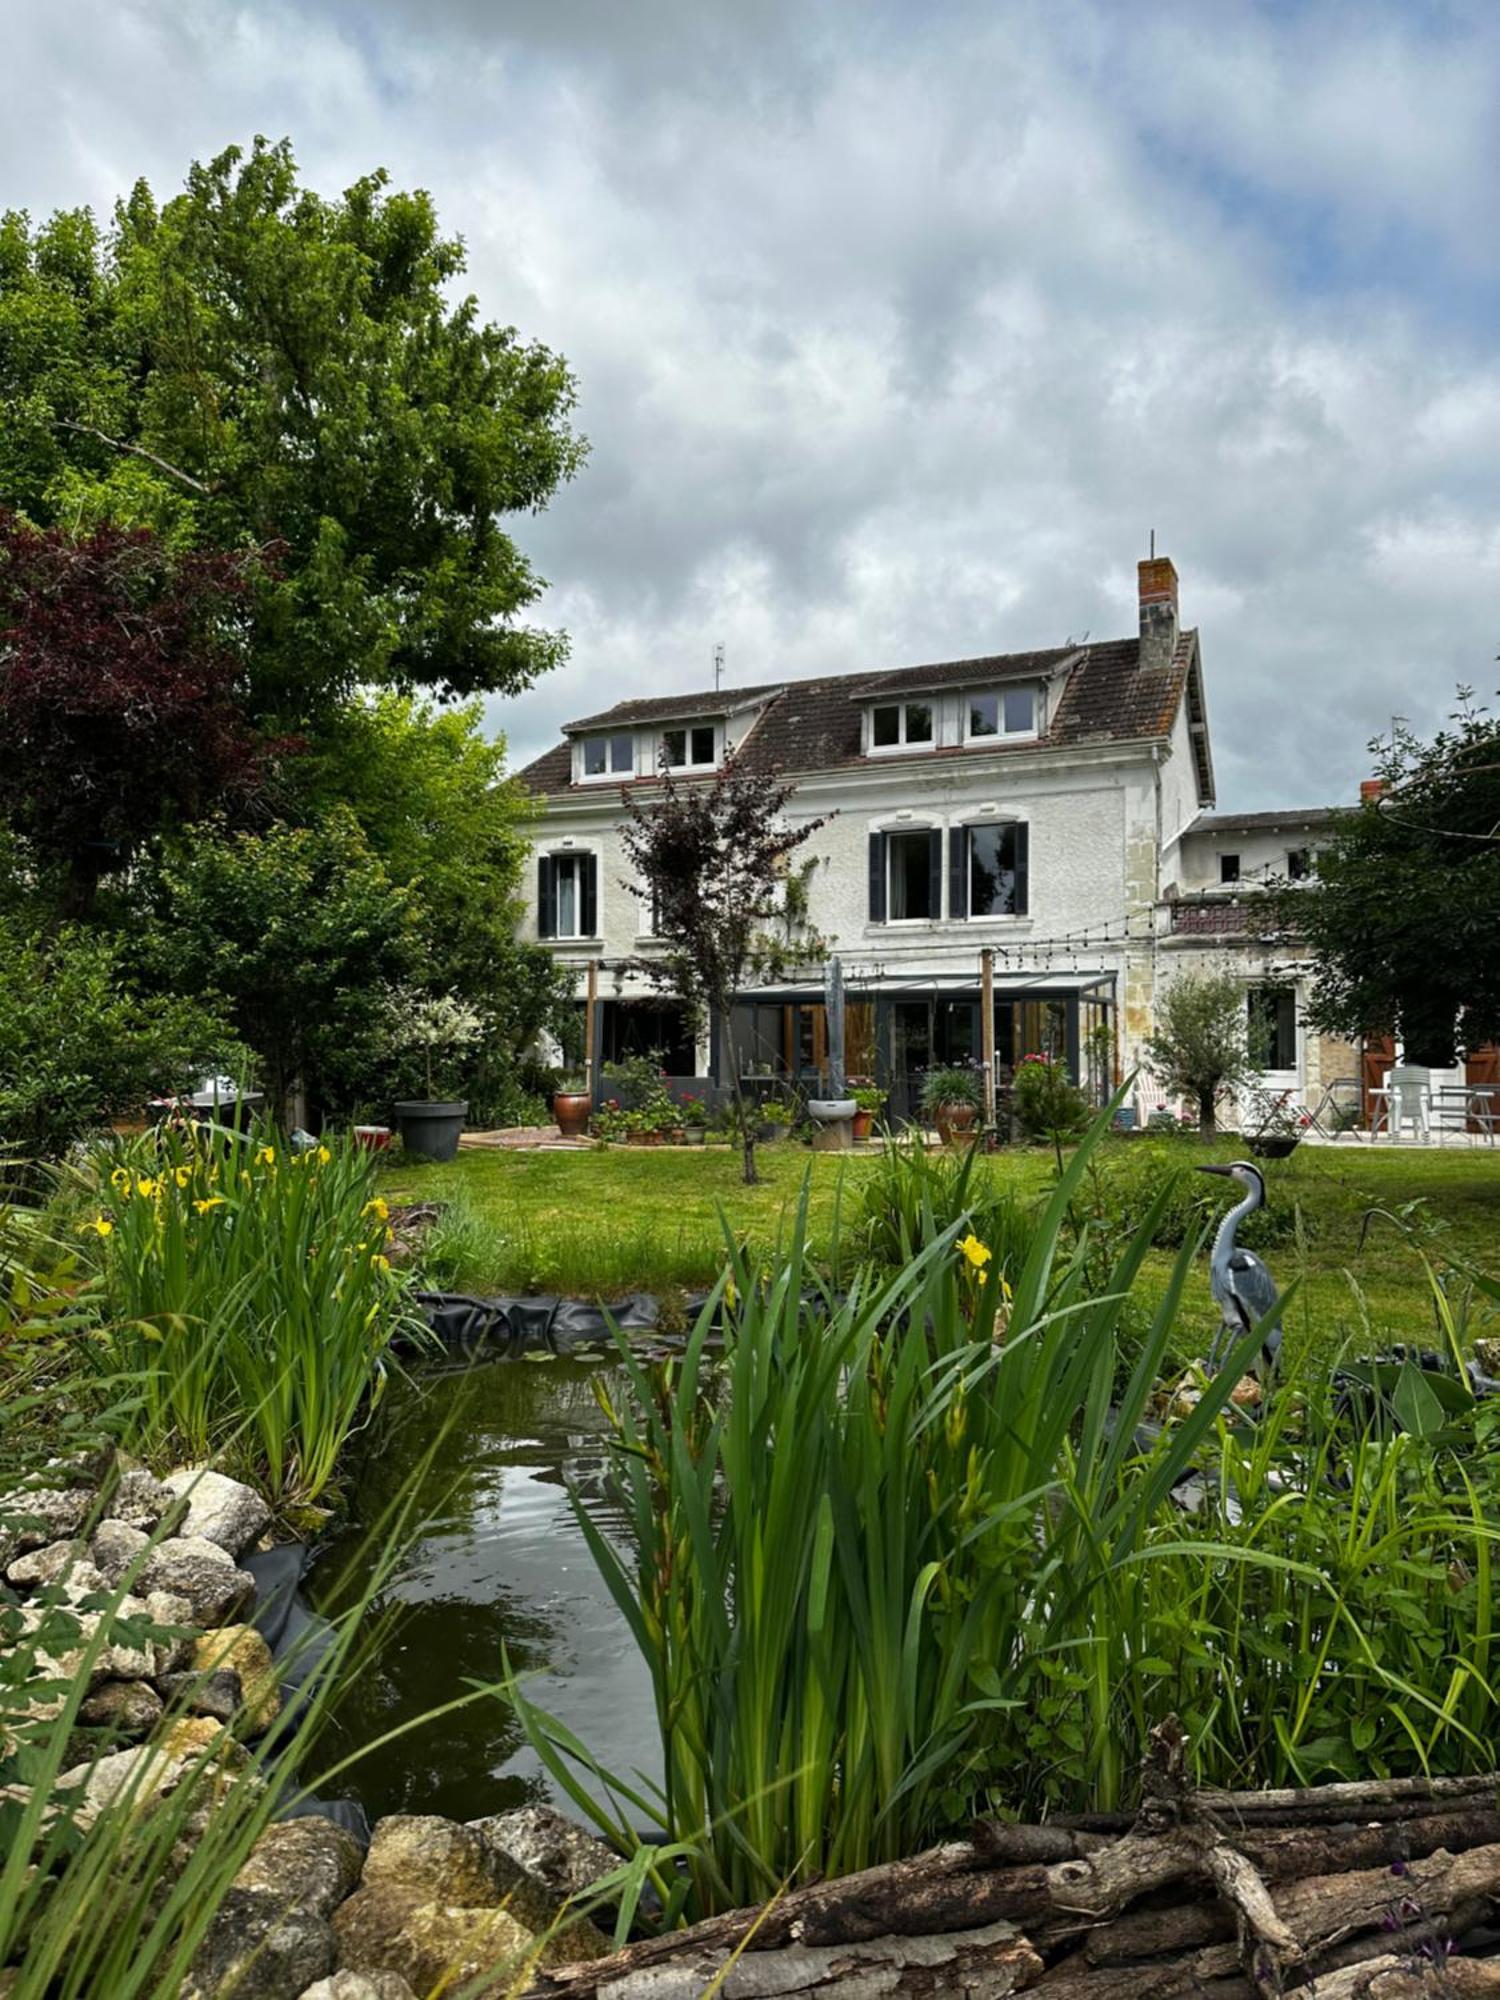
x: 500, y: 1560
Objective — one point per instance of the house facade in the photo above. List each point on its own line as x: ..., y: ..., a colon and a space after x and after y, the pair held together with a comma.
x: 1050, y: 808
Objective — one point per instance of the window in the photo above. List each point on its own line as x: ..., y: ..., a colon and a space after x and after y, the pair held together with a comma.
x: 895, y: 724
x: 988, y: 870
x: 1008, y: 712
x: 610, y: 756
x: 1298, y: 863
x: 567, y: 896
x: 690, y: 748
x: 906, y: 876
x: 1229, y: 868
x: 1272, y: 1014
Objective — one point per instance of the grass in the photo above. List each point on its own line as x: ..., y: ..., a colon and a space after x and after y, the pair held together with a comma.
x: 600, y: 1224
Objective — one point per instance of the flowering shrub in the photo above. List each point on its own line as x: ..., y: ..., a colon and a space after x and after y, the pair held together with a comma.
x: 249, y: 1294
x: 1048, y: 1102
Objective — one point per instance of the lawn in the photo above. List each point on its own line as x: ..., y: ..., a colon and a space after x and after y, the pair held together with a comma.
x: 599, y: 1224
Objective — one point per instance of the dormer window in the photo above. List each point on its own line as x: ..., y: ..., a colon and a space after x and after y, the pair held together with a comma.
x: 898, y: 725
x: 609, y: 756
x: 1000, y: 712
x: 690, y: 748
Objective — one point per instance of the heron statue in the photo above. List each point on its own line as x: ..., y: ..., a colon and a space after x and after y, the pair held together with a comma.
x: 1243, y: 1288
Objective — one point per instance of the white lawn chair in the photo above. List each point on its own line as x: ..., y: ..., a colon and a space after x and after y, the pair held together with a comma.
x: 1405, y: 1099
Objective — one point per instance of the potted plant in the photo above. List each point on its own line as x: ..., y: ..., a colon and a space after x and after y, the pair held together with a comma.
x: 952, y: 1099
x: 870, y: 1101
x: 609, y: 1121
x: 695, y: 1121
x: 1278, y: 1133
x: 571, y: 1104
x: 437, y: 1028
x: 775, y: 1117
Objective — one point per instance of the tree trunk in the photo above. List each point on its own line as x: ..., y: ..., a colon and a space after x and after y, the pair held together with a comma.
x: 741, y: 1109
x: 1208, y: 1124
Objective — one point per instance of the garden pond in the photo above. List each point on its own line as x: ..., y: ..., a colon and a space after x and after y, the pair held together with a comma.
x: 500, y: 1563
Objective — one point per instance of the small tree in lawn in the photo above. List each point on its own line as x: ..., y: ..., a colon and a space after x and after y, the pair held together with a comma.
x: 1201, y: 1044
x: 711, y: 859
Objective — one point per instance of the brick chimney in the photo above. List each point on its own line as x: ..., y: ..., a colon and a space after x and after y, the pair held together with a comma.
x: 1371, y: 788
x: 1158, y: 592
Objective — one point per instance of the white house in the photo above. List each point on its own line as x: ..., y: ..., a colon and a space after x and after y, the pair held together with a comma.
x: 1053, y: 806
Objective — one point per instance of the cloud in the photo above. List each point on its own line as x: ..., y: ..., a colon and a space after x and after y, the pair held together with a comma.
x: 898, y: 330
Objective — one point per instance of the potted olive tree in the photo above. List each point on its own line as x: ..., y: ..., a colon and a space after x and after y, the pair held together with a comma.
x: 437, y: 1030
x: 953, y: 1100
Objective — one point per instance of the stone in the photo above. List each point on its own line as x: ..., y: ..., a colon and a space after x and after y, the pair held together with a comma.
x: 219, y: 1509
x: 170, y: 1650
x: 54, y: 1512
x: 216, y: 1695
x: 270, y: 1937
x: 151, y: 1771
x: 439, y: 1905
x: 563, y: 1856
x: 139, y: 1500
x: 41, y: 1566
x: 65, y: 1637
x: 241, y: 1649
x: 202, y: 1572
x: 361, y: 1986
x: 116, y: 1545
x: 130, y: 1708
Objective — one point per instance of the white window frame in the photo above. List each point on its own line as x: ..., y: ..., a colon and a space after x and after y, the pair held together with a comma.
x: 687, y: 728
x: 902, y: 744
x: 1001, y: 734
x: 924, y: 831
x: 573, y: 856
x: 609, y: 775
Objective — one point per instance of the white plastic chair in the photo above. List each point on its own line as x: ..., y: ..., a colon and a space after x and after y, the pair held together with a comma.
x: 1406, y: 1098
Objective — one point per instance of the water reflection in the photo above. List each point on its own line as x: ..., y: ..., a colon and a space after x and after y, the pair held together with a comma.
x: 500, y: 1560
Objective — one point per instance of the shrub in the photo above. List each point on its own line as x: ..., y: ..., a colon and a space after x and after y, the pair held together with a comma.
x: 249, y: 1294
x: 955, y: 1083
x: 1048, y: 1104
x: 912, y: 1196
x: 80, y: 1044
x: 1200, y: 1045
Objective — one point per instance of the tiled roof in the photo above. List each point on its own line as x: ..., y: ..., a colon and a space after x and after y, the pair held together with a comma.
x: 1265, y: 822
x: 814, y: 725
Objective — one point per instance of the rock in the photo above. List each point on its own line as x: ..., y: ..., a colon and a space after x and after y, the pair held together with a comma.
x: 192, y: 1735
x: 270, y: 1937
x: 219, y: 1510
x: 64, y: 1636
x: 361, y: 1986
x: 1487, y: 1354
x: 151, y: 1771
x: 165, y: 1609
x: 563, y: 1856
x: 139, y: 1500
x: 217, y: 1695
x: 50, y: 1513
x: 116, y: 1545
x: 131, y: 1708
x: 433, y: 1946
x: 242, y: 1649
x: 44, y: 1565
x: 203, y: 1573
x: 439, y: 1905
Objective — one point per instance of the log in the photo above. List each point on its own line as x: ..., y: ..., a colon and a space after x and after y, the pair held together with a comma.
x: 1222, y: 1894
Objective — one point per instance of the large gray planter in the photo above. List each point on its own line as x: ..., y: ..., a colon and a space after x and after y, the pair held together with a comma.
x: 431, y: 1126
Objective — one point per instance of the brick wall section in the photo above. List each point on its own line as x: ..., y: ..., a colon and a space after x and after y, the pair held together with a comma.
x: 1210, y: 919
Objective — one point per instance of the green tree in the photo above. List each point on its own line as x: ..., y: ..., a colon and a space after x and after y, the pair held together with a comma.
x: 81, y: 1043
x: 251, y: 366
x: 1200, y: 1044
x: 1400, y: 915
x: 304, y: 934
x: 432, y: 797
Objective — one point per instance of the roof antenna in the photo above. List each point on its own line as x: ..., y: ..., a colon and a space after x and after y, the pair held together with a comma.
x: 718, y: 665
x: 1153, y: 545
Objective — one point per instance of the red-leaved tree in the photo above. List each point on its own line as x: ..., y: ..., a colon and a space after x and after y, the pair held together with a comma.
x: 121, y: 667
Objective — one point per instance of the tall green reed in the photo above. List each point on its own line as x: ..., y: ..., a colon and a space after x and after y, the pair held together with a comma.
x: 247, y: 1290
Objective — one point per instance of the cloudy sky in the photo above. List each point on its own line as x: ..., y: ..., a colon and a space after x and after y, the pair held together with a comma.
x: 899, y: 327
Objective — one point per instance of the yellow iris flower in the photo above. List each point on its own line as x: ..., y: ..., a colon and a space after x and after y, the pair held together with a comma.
x: 119, y: 1180
x: 147, y: 1187
x: 379, y: 1208
x: 212, y: 1201
x: 977, y: 1254
x: 322, y: 1156
x: 380, y: 1263
x: 101, y: 1225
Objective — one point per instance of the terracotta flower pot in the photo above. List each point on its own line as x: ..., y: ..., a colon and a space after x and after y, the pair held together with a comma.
x: 955, y: 1121
x: 571, y: 1109
x: 863, y: 1123
x: 374, y: 1138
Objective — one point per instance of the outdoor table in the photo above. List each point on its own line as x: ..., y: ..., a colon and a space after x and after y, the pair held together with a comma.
x: 1467, y: 1103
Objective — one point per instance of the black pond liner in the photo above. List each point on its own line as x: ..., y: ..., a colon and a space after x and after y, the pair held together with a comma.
x: 497, y: 1328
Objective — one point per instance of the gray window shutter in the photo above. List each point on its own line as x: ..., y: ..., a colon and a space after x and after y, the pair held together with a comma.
x: 958, y: 871
x: 546, y: 896
x: 877, y: 878
x: 588, y: 895
x: 935, y: 872
x: 1023, y: 868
